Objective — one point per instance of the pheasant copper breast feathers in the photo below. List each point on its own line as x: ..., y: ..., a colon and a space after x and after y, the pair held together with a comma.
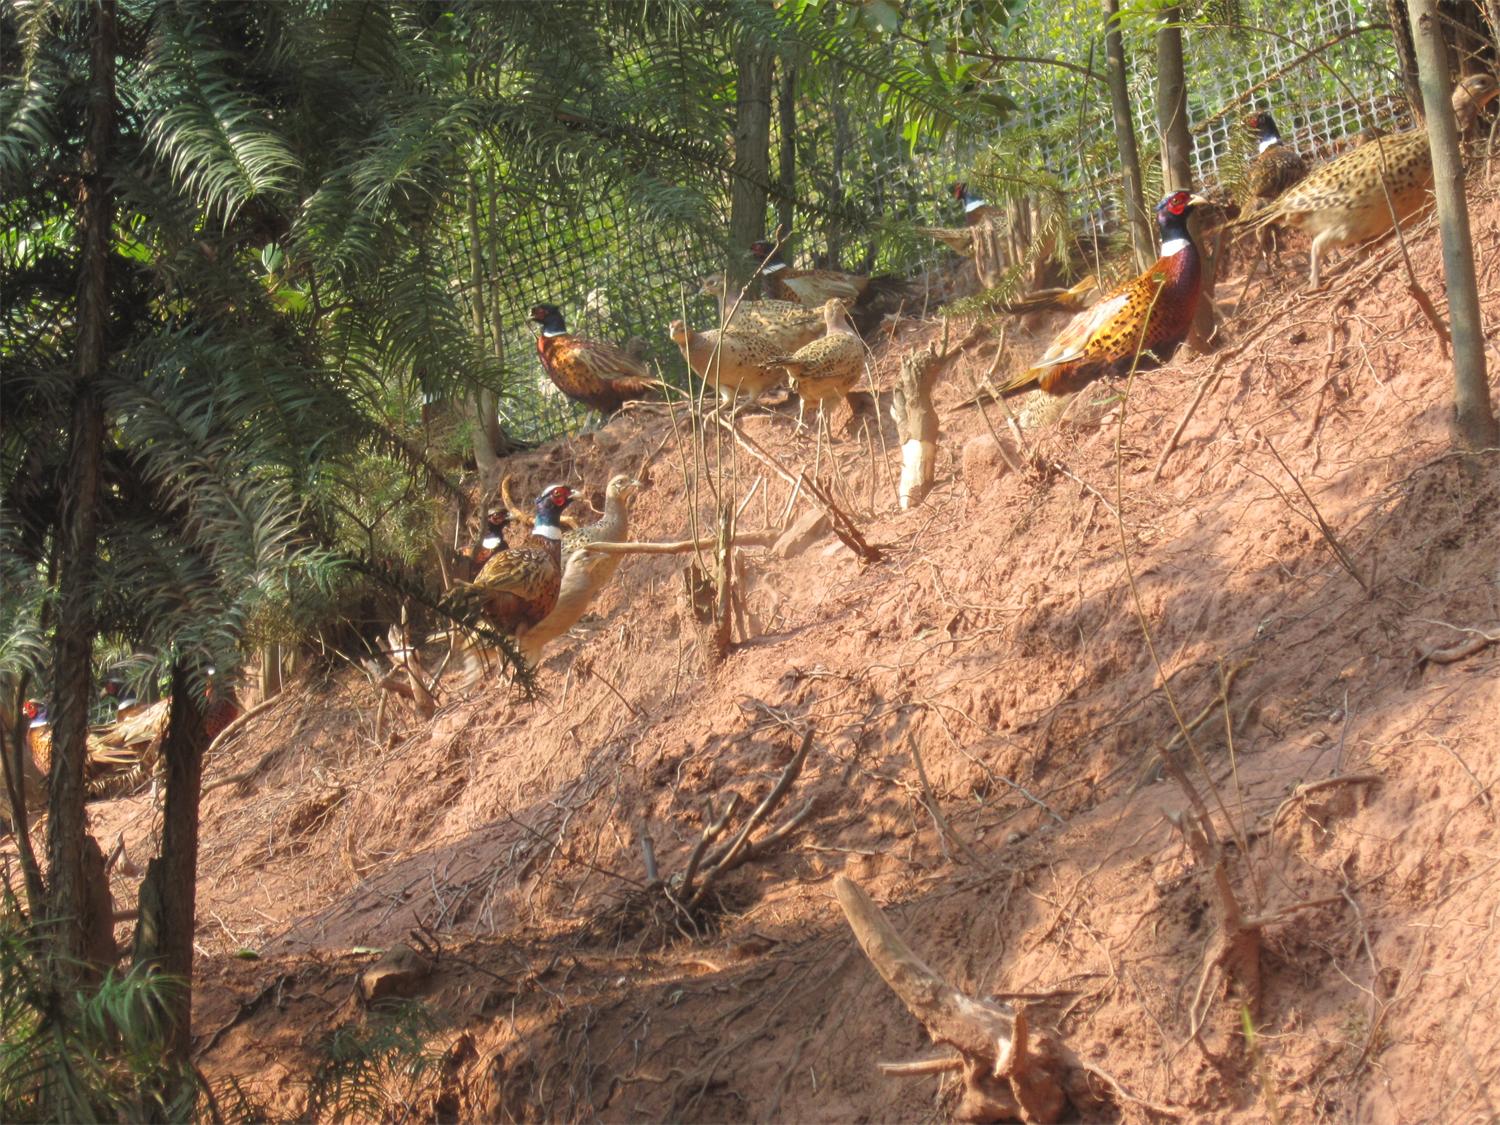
x: 1140, y: 323
x: 519, y: 587
x: 592, y: 372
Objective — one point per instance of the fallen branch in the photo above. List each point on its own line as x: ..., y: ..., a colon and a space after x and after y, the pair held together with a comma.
x: 1480, y: 640
x: 729, y: 857
x: 843, y: 526
x: 683, y: 546
x: 1009, y: 1072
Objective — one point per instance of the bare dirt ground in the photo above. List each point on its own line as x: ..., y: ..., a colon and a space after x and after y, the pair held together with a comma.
x: 1034, y: 639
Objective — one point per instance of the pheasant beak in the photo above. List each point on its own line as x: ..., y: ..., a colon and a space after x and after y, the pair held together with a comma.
x: 1196, y: 200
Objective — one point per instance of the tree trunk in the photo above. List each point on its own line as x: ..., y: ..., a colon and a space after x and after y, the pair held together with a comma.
x: 22, y: 784
x: 486, y: 456
x: 752, y: 152
x: 1171, y: 104
x: 1473, y: 418
x: 78, y: 526
x: 1130, y: 157
x: 786, y: 172
x: 164, y: 934
x: 1406, y: 52
x: 840, y: 148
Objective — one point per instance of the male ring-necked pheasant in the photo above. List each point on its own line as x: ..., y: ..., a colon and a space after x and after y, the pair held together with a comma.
x: 491, y: 539
x: 961, y: 239
x: 519, y: 587
x: 592, y: 372
x: 806, y: 287
x: 1139, y: 323
x: 1277, y: 168
x: 1345, y: 200
x: 584, y: 573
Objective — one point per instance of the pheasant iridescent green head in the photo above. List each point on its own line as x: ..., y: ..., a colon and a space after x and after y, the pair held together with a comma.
x: 550, y: 505
x: 550, y: 317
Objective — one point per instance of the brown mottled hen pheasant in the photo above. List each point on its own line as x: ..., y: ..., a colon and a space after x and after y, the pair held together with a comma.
x: 592, y: 372
x: 734, y: 360
x: 775, y: 316
x: 519, y: 587
x: 1345, y: 200
x: 584, y: 573
x: 828, y: 367
x: 1139, y: 323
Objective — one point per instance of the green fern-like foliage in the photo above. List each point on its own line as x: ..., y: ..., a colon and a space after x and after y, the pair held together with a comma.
x: 93, y: 1054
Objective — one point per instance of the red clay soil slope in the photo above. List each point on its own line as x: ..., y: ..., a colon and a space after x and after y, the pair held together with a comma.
x: 989, y: 703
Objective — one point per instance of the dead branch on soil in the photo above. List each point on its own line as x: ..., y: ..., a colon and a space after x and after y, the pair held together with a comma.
x: 843, y: 526
x: 711, y: 595
x: 707, y: 864
x: 683, y: 546
x: 916, y: 419
x: 1302, y: 792
x: 1335, y: 544
x: 1236, y: 951
x: 1010, y: 1072
x: 1479, y: 640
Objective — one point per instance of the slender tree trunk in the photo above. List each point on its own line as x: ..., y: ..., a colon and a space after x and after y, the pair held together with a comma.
x: 78, y: 527
x: 22, y: 780
x: 840, y: 148
x: 1171, y: 104
x: 486, y: 456
x: 752, y: 151
x: 489, y: 403
x: 786, y: 172
x: 1406, y: 52
x: 1473, y: 418
x: 1130, y: 157
x: 164, y: 934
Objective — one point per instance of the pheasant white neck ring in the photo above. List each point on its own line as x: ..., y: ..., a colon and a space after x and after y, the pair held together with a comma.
x: 772, y: 267
x: 490, y: 542
x: 1174, y: 246
x: 974, y: 205
x: 547, y: 531
x: 1269, y: 142
x: 554, y: 331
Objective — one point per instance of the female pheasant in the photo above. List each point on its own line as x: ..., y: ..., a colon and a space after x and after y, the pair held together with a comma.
x: 777, y: 316
x: 519, y: 587
x: 828, y: 367
x: 592, y: 372
x: 1346, y: 200
x: 1139, y: 323
x: 735, y: 360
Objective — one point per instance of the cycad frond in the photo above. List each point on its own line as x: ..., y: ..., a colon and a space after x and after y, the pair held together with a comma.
x: 217, y: 141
